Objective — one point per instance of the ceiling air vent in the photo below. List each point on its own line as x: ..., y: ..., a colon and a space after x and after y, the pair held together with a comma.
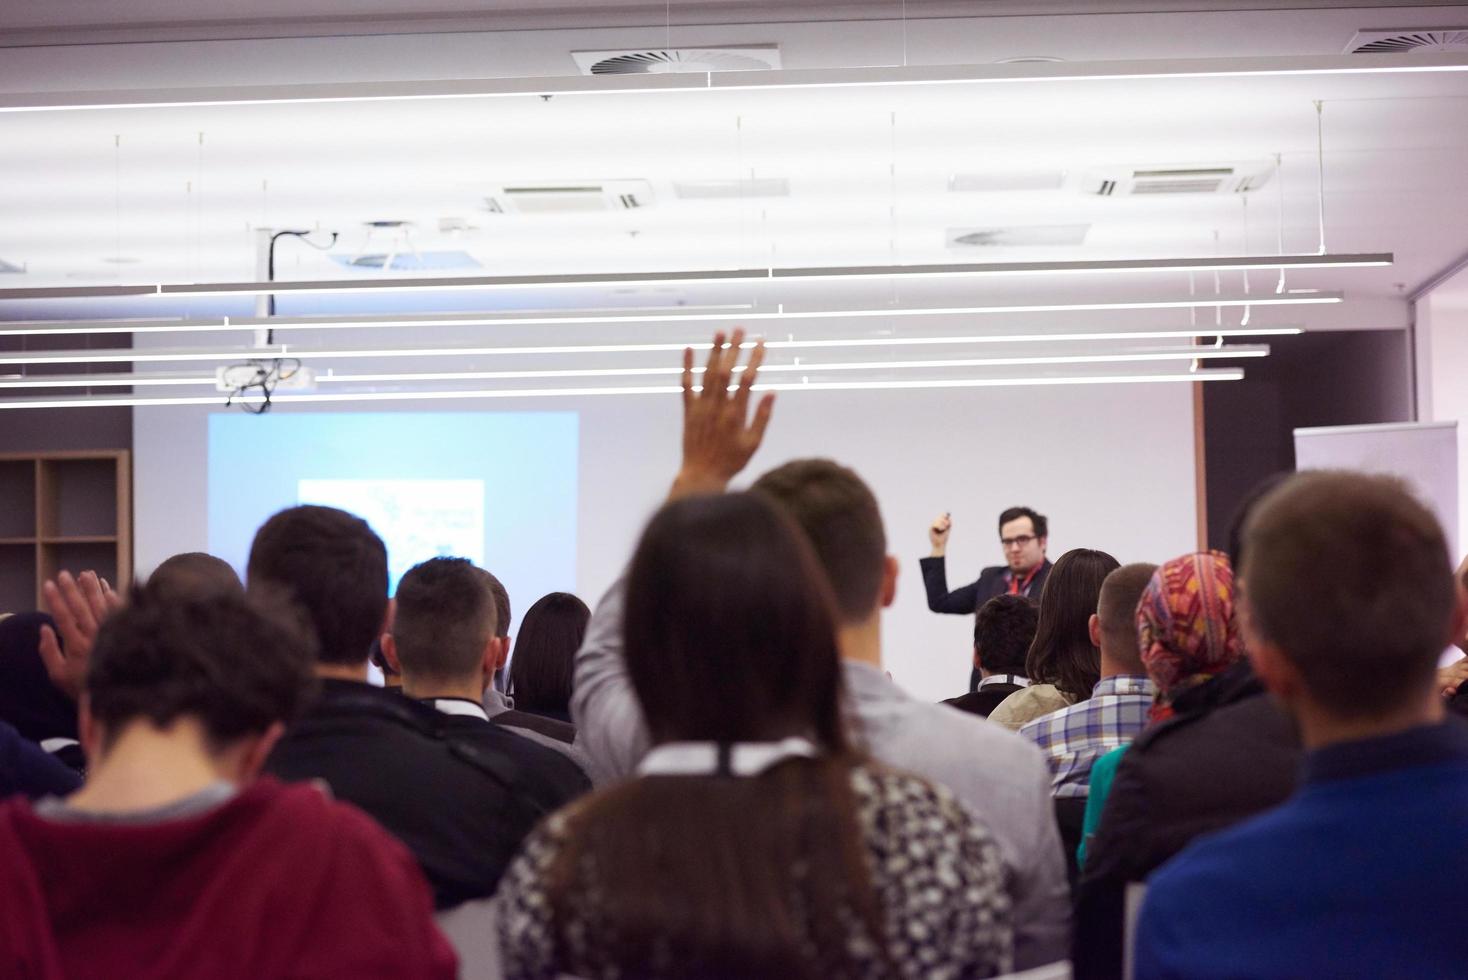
x: 661, y: 61
x: 569, y: 197
x: 1019, y: 236
x: 1152, y: 181
x: 1426, y: 41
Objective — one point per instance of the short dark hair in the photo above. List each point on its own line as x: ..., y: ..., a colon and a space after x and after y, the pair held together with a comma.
x: 234, y: 664
x: 839, y: 516
x: 545, y: 652
x: 334, y: 567
x: 443, y: 620
x: 1062, y: 653
x: 194, y: 572
x: 1003, y: 631
x: 1365, y: 638
x: 501, y: 603
x: 1116, y: 611
x: 730, y: 629
x: 1040, y: 522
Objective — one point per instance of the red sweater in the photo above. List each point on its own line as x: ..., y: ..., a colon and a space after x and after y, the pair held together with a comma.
x: 278, y: 882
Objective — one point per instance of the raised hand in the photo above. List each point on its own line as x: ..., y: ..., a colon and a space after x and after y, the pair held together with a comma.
x: 938, y: 534
x: 79, y: 606
x: 719, y: 437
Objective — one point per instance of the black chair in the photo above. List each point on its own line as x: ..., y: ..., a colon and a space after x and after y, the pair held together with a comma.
x: 1070, y: 818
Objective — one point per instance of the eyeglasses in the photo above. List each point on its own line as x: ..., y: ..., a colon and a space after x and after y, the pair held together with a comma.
x: 1020, y: 541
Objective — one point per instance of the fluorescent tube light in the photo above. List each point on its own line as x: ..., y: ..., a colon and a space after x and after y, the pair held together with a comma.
x: 138, y: 380
x: 1156, y: 69
x: 712, y: 276
x: 1224, y: 374
x: 134, y: 356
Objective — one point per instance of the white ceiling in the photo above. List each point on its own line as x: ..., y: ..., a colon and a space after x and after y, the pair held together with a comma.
x: 868, y: 168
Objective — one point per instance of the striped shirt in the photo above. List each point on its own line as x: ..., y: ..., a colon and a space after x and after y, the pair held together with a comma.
x: 1073, y: 738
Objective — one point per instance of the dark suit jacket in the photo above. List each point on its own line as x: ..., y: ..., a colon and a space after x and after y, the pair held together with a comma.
x: 967, y: 599
x: 982, y: 702
x: 460, y: 792
x: 1228, y: 754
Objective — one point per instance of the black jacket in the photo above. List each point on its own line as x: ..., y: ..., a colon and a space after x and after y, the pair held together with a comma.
x: 1229, y: 753
x: 982, y: 702
x: 461, y: 793
x: 967, y: 599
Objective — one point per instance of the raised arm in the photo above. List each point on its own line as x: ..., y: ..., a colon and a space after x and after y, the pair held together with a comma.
x: 719, y: 437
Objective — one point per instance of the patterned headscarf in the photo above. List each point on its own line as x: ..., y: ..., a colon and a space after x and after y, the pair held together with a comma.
x: 1186, y: 625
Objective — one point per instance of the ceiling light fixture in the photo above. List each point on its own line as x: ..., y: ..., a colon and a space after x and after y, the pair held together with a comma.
x: 1139, y: 356
x: 224, y: 354
x: 710, y: 276
x: 1222, y: 374
x: 1157, y: 69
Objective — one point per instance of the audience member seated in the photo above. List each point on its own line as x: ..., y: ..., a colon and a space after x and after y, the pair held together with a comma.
x: 1351, y: 875
x: 1003, y: 631
x: 996, y: 775
x: 443, y: 646
x: 38, y: 711
x: 28, y: 769
x: 1227, y: 752
x: 1188, y: 635
x: 1074, y: 738
x: 754, y: 841
x: 545, y: 653
x: 550, y: 732
x: 1063, y: 662
x: 194, y: 573
x: 172, y: 860
x: 383, y: 752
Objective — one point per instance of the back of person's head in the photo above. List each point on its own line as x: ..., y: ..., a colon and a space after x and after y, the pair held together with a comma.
x: 839, y: 516
x: 194, y: 573
x: 444, y: 619
x: 545, y: 652
x: 1241, y: 514
x: 1347, y: 576
x: 235, y: 666
x: 1186, y: 623
x: 1116, y: 614
x: 501, y: 597
x: 730, y: 637
x: 334, y: 567
x: 729, y: 626
x: 1062, y: 653
x: 1003, y: 631
x: 1040, y: 521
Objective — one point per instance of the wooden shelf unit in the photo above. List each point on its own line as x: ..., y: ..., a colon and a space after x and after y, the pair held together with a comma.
x: 68, y: 511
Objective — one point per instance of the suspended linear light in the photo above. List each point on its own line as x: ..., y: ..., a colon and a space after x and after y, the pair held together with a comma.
x: 1223, y: 374
x: 1027, y: 73
x: 708, y: 276
x: 1140, y: 356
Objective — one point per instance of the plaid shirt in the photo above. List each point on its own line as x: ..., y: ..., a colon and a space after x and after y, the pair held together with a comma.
x: 1074, y: 738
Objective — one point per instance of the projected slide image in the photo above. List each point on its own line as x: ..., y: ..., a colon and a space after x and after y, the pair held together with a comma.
x: 416, y: 519
x: 498, y: 488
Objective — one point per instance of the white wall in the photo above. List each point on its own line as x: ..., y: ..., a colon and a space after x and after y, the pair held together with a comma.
x: 1442, y: 366
x: 1111, y: 465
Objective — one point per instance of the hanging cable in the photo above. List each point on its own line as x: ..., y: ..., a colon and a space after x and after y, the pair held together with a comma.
x: 270, y: 267
x: 1320, y: 165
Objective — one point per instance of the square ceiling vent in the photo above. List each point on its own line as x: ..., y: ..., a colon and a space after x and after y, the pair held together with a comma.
x: 1220, y: 178
x: 670, y: 61
x: 1427, y: 40
x: 569, y: 197
x: 1018, y: 236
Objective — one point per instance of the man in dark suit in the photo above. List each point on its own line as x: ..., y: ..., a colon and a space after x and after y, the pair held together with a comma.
x: 1003, y: 631
x: 1023, y: 534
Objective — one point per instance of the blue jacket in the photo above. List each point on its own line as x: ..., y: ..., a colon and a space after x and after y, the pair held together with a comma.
x: 27, y: 768
x: 1360, y: 874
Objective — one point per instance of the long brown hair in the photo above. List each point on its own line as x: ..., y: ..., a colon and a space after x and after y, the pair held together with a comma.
x: 730, y: 636
x: 1062, y: 653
